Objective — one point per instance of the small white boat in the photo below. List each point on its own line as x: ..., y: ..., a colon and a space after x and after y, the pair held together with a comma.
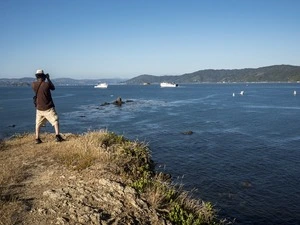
x: 295, y: 92
x: 101, y: 85
x: 167, y: 84
x: 242, y: 93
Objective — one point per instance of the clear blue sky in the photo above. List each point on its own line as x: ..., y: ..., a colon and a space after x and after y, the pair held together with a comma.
x: 127, y: 38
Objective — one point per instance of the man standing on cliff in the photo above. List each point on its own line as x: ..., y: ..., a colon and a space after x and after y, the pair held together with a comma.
x: 45, y: 109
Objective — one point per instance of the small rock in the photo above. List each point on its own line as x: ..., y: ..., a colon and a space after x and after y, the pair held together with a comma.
x: 118, y: 102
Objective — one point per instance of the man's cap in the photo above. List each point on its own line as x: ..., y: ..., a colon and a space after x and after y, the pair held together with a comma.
x: 40, y: 72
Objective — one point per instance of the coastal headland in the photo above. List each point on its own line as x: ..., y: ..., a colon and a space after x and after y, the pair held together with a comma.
x: 94, y: 178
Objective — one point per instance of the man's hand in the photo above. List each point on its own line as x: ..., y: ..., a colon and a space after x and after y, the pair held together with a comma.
x: 47, y: 76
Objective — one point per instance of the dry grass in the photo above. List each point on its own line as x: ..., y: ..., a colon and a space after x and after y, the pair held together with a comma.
x: 129, y: 160
x: 83, y: 152
x: 13, y: 153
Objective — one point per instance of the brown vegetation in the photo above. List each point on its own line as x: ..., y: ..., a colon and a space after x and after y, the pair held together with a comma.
x: 95, y: 178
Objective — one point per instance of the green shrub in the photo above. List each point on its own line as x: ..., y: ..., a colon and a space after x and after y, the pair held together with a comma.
x: 179, y: 215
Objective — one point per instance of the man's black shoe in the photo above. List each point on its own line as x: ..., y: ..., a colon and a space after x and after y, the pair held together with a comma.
x: 58, y: 138
x: 38, y: 141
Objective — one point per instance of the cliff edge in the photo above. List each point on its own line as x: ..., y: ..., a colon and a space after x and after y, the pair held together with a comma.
x: 94, y: 178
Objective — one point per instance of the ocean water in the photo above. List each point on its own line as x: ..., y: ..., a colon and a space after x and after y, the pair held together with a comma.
x: 243, y: 155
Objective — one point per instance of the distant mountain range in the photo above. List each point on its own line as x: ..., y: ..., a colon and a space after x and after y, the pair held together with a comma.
x: 276, y: 73
x: 26, y: 81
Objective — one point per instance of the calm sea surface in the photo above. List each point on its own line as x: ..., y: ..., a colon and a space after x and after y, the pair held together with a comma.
x: 243, y: 155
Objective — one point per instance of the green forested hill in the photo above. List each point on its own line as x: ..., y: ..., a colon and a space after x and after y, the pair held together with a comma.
x: 276, y: 73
